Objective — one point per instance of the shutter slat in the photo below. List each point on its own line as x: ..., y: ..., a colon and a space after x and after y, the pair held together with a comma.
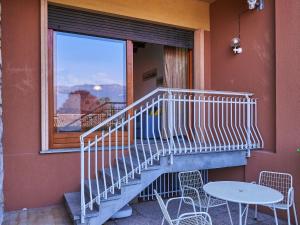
x: 82, y: 22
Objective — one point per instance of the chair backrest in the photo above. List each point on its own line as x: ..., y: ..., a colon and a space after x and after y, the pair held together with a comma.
x: 163, y: 208
x: 192, y: 179
x: 281, y: 182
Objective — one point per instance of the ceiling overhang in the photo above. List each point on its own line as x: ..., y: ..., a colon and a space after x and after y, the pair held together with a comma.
x: 189, y: 14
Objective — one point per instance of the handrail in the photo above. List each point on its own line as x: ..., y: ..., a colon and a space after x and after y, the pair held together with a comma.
x: 171, y: 121
x: 153, y: 93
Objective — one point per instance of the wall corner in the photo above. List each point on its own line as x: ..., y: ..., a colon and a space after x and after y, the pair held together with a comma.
x: 1, y: 129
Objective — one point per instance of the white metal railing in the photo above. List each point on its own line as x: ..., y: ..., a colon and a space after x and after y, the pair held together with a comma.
x: 166, y: 121
x: 167, y: 186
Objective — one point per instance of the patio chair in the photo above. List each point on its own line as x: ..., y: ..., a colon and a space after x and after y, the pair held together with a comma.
x: 282, y: 182
x: 192, y: 218
x: 191, y: 185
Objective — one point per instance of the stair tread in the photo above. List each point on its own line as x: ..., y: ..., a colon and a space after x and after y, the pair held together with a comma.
x: 73, y: 202
x: 114, y: 173
x: 110, y: 196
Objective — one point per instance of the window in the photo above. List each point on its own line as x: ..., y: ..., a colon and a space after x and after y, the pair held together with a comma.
x: 87, y: 84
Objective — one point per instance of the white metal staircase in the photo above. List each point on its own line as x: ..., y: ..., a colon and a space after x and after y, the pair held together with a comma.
x: 168, y: 130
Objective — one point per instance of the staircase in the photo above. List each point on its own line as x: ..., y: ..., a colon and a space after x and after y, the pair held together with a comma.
x: 168, y: 130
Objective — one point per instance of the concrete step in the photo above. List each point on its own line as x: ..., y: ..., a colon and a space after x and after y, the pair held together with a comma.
x: 73, y: 202
x: 94, y: 192
x: 113, y: 174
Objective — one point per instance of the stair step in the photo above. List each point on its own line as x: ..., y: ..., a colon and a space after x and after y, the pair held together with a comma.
x: 110, y: 196
x: 128, y: 166
x: 114, y: 173
x: 73, y: 202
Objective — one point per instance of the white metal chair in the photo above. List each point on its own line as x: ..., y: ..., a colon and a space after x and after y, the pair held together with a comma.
x: 191, y: 185
x: 193, y: 218
x: 282, y: 182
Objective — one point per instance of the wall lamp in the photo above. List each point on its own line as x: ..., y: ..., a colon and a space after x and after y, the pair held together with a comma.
x: 256, y: 4
x: 236, y: 45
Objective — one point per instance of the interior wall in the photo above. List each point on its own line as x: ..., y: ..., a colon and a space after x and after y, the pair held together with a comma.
x: 269, y: 67
x: 144, y: 60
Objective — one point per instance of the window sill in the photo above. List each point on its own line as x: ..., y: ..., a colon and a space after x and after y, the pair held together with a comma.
x: 72, y: 150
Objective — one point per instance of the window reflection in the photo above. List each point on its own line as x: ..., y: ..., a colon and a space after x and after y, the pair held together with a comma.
x: 89, y: 80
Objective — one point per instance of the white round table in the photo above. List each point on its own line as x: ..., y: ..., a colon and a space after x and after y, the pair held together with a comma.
x: 244, y: 193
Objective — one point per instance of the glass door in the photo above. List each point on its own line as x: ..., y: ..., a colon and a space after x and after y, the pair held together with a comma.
x: 88, y: 85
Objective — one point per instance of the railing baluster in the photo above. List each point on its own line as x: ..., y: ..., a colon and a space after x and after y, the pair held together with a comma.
x: 117, y: 156
x: 159, y: 125
x: 142, y: 143
x: 147, y: 133
x: 96, y: 170
x: 200, y: 122
x: 170, y: 122
x: 184, y: 124
x: 123, y: 150
x: 208, y: 122
x: 218, y: 124
x: 174, y: 124
x: 190, y: 124
x: 214, y: 124
x: 153, y: 127
x: 255, y: 139
x: 180, y: 123
x: 236, y: 125
x: 129, y: 144
x: 103, y: 164
x: 204, y: 124
x: 224, y: 121
x: 82, y: 176
x: 89, y: 176
x: 261, y: 141
x: 195, y: 126
x: 135, y: 142
x: 110, y: 161
x: 232, y: 126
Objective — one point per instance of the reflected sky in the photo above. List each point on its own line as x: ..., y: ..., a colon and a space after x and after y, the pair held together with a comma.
x: 82, y: 59
x: 93, y: 64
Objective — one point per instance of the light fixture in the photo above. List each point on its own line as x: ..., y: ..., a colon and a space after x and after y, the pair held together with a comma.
x: 253, y: 4
x: 236, y: 45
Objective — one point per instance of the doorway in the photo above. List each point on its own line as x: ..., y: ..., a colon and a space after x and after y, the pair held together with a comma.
x: 157, y: 65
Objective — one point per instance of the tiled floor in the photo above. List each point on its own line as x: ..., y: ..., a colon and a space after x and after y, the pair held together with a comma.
x: 145, y: 213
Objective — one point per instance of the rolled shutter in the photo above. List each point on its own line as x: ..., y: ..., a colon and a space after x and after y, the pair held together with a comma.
x: 90, y: 23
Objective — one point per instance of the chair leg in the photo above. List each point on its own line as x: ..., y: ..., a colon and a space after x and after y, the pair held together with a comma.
x: 255, y: 212
x: 208, y: 202
x: 229, y: 213
x: 179, y: 208
x: 288, y: 215
x: 295, y: 213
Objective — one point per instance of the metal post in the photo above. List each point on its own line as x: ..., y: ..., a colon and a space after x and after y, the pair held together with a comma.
x: 82, y: 180
x: 170, y: 124
x: 248, y: 125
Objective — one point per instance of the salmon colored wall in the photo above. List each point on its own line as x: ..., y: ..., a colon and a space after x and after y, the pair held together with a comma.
x: 268, y: 68
x: 31, y: 179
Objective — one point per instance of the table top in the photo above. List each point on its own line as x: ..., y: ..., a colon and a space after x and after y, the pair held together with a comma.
x: 242, y: 192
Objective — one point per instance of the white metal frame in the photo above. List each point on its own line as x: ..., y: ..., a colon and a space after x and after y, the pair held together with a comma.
x: 191, y: 218
x: 191, y: 184
x: 282, y: 182
x: 167, y: 186
x: 196, y: 121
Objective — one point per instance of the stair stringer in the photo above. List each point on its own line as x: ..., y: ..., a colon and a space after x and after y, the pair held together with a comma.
x: 185, y: 162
